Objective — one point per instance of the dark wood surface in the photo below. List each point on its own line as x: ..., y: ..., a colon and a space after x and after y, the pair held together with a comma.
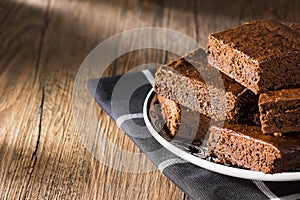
x: 42, y: 44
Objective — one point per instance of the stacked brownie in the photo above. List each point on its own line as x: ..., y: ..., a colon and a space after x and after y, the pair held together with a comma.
x: 250, y: 79
x: 193, y: 83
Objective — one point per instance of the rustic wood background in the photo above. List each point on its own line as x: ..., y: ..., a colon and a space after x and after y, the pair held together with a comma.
x: 43, y: 43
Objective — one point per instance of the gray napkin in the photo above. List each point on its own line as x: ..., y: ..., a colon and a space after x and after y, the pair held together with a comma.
x: 196, y: 182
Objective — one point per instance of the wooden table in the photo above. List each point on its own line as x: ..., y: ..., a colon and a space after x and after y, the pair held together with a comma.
x: 42, y: 44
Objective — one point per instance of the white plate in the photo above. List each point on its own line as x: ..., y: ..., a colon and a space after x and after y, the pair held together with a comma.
x: 153, y: 123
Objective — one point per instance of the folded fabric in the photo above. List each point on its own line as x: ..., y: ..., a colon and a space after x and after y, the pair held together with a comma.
x: 122, y: 98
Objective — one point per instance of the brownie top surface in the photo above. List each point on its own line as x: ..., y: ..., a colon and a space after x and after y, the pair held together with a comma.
x: 286, y: 144
x: 262, y: 40
x: 185, y: 68
x: 195, y: 67
x: 280, y: 95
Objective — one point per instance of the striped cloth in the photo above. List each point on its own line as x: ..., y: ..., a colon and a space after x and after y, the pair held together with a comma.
x: 196, y: 182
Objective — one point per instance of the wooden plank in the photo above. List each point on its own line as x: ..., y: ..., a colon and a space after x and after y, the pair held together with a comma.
x: 221, y: 14
x: 21, y: 98
x: 61, y: 167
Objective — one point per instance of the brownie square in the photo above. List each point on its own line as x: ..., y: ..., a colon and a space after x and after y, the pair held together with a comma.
x: 181, y: 81
x: 280, y: 111
x: 246, y: 147
x: 261, y: 55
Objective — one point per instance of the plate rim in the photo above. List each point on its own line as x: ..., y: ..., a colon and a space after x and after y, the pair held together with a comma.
x: 215, y: 167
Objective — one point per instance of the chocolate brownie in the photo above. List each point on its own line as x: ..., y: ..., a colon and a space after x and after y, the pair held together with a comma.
x: 280, y: 111
x: 183, y: 82
x: 182, y: 121
x: 261, y: 55
x: 246, y: 147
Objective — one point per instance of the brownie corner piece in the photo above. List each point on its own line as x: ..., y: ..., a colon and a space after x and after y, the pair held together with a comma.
x: 262, y: 55
x: 280, y: 111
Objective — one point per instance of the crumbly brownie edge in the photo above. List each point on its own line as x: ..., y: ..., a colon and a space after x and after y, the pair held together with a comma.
x: 190, y: 93
x: 170, y: 84
x: 225, y: 58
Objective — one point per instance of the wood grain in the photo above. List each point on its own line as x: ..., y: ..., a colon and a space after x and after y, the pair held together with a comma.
x: 42, y: 44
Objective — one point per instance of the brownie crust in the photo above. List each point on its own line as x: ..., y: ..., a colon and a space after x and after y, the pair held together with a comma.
x: 246, y: 147
x: 280, y: 111
x: 261, y: 55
